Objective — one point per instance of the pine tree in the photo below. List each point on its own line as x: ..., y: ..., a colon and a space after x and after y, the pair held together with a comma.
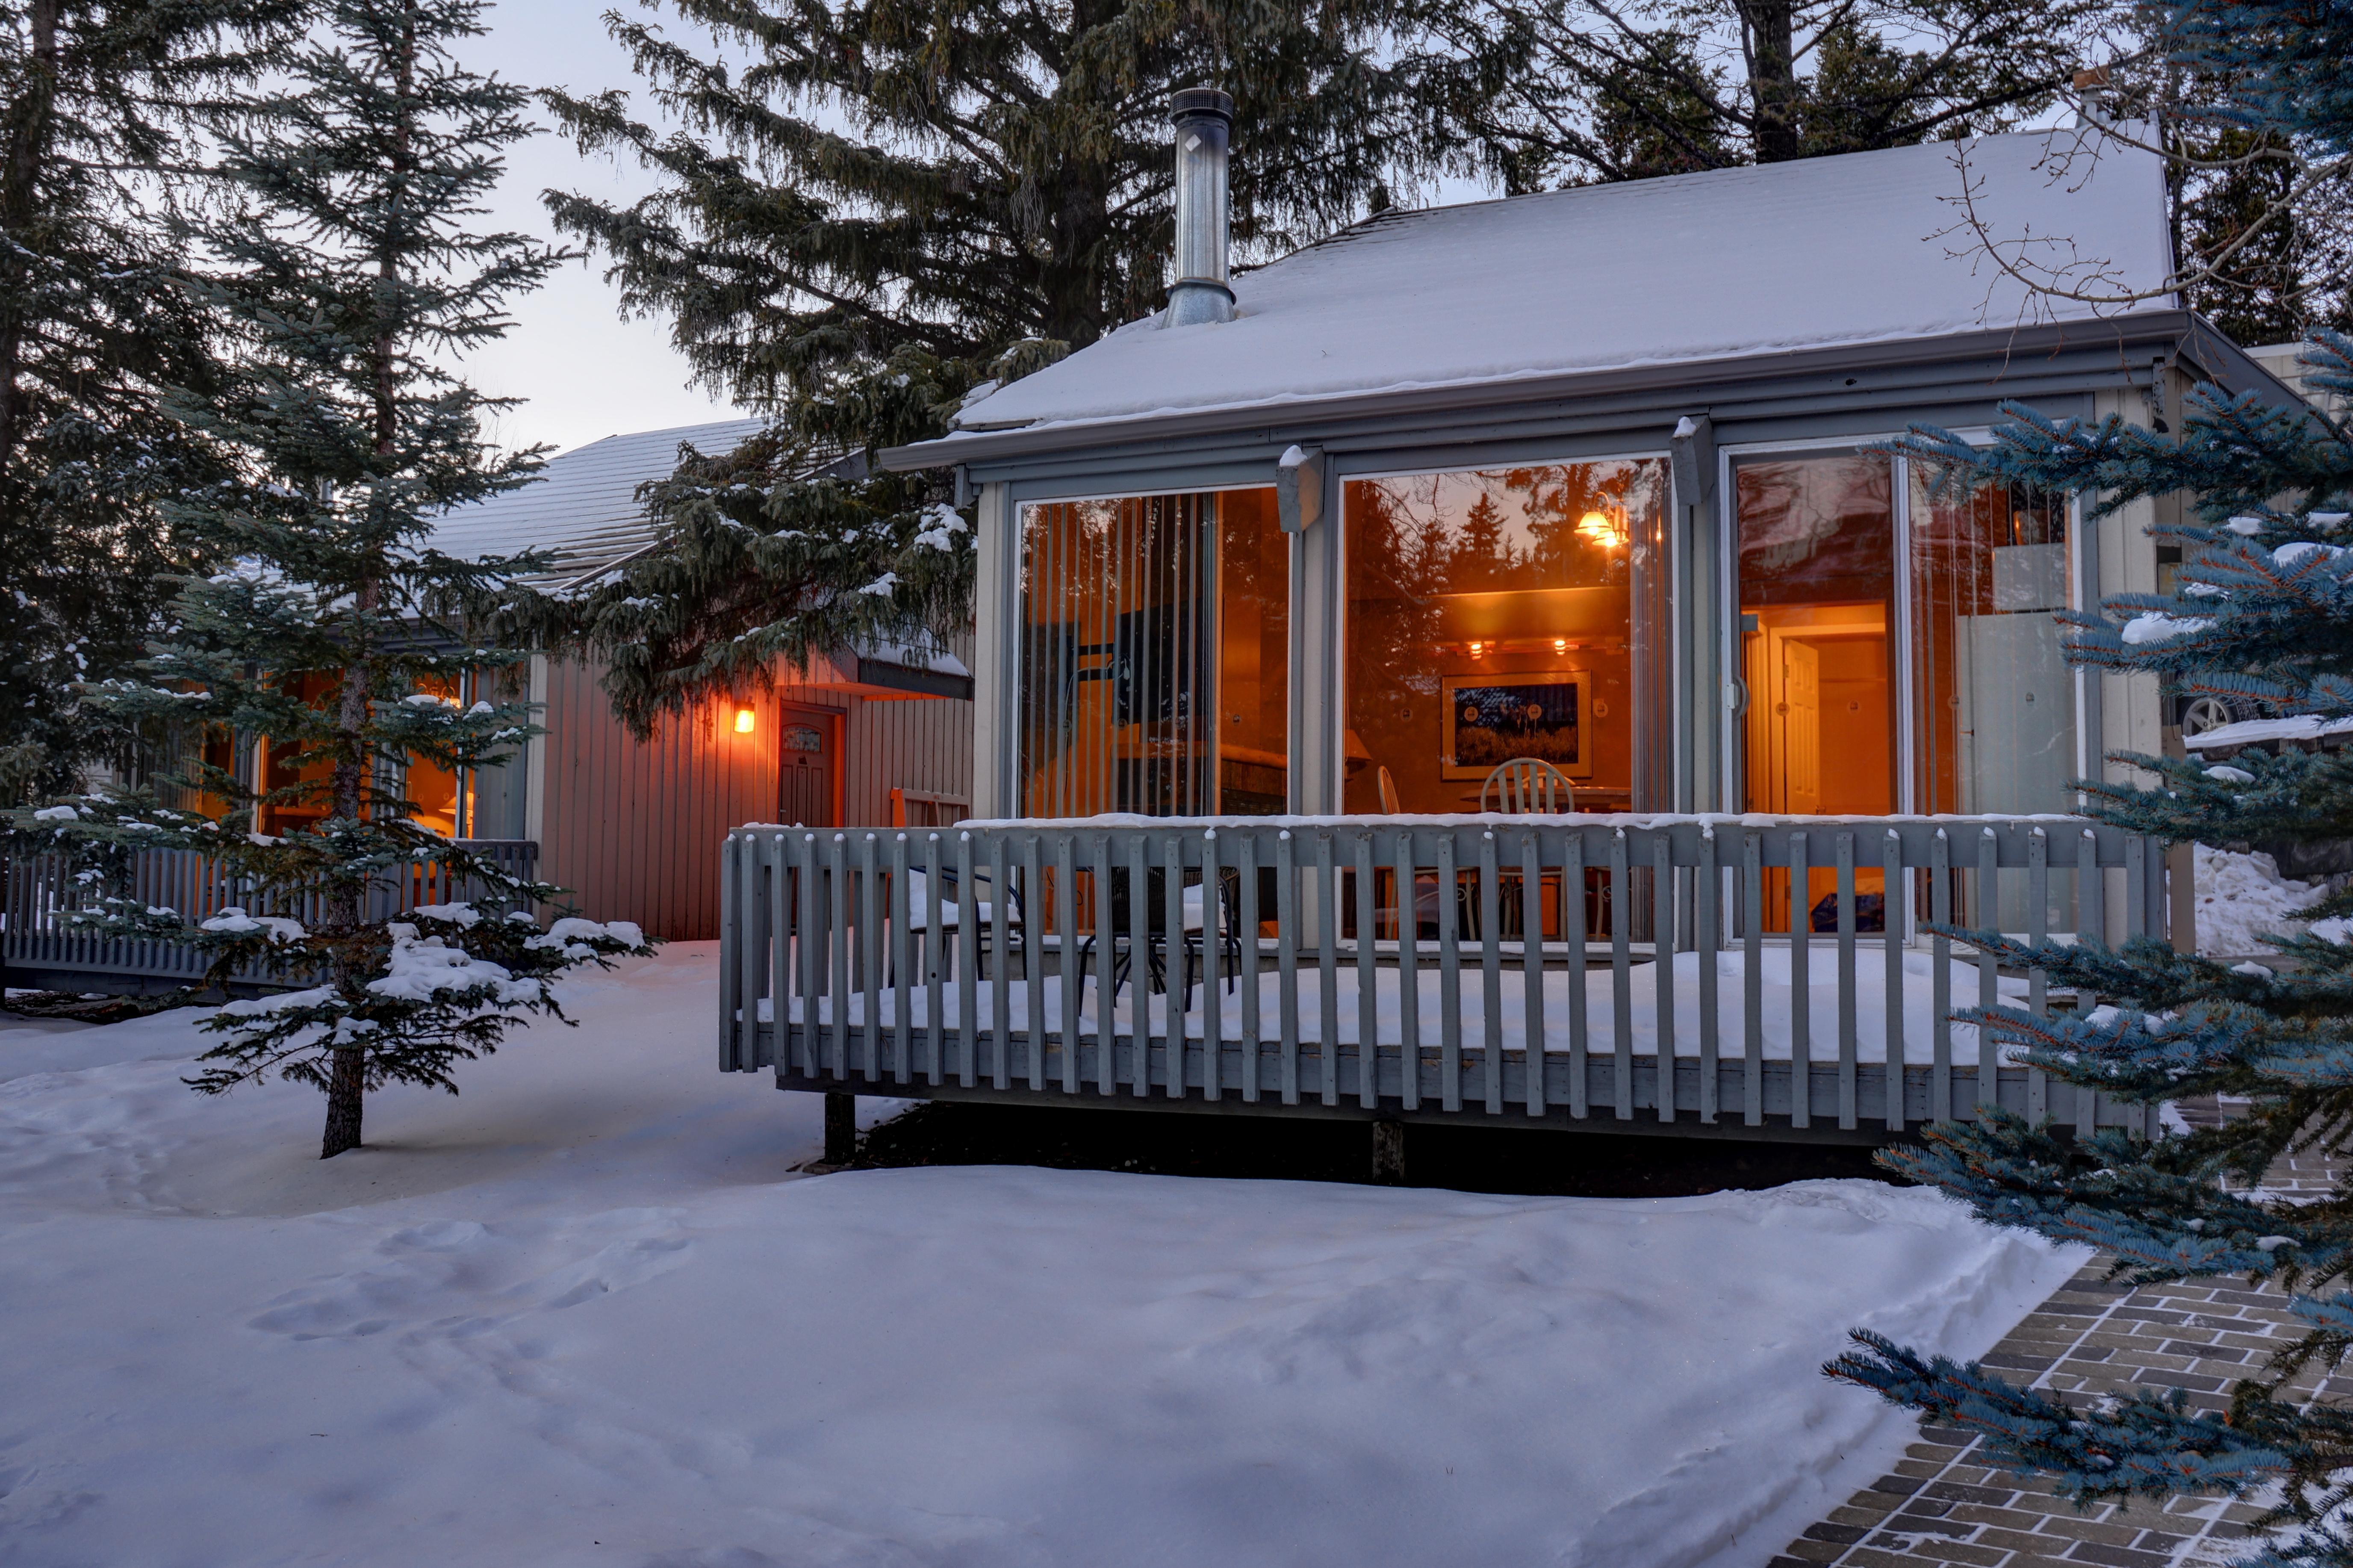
x: 2264, y: 612
x: 101, y: 107
x: 2289, y: 265
x: 892, y: 205
x: 1568, y: 91
x: 349, y: 277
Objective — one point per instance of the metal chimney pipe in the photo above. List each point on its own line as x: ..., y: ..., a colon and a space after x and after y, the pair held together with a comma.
x: 1204, y: 119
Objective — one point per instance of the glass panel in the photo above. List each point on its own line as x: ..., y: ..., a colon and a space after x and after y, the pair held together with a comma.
x: 1253, y: 654
x: 1490, y: 618
x: 431, y: 788
x: 1122, y: 605
x: 277, y: 768
x: 1995, y: 701
x: 496, y: 807
x: 1817, y: 540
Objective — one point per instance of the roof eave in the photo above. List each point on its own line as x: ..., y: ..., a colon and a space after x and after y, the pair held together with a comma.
x: 2169, y: 325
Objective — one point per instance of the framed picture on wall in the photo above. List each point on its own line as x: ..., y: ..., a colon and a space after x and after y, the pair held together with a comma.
x: 1493, y: 718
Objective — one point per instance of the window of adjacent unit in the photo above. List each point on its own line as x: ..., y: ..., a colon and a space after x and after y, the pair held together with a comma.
x: 437, y: 793
x: 1155, y: 656
x: 1499, y: 614
x: 485, y: 802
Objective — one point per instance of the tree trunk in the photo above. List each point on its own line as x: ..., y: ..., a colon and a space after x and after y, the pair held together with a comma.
x: 27, y: 134
x: 346, y: 1101
x: 347, y: 1085
x: 1771, y: 39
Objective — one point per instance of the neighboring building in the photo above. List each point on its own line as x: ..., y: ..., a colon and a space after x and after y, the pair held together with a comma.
x: 633, y: 827
x: 2280, y: 359
x: 1588, y: 475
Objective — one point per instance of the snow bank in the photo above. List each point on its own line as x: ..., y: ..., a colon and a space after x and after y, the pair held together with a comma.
x: 2248, y: 731
x: 585, y: 1313
x: 2243, y: 897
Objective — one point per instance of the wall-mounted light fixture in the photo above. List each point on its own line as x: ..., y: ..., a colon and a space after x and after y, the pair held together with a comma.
x: 1478, y: 649
x: 1602, y: 529
x: 1560, y: 645
x: 745, y: 721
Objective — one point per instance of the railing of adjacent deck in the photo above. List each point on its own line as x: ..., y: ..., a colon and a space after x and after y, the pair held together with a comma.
x: 976, y: 959
x: 41, y: 895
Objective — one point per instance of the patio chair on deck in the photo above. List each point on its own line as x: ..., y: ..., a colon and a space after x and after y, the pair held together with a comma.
x: 926, y: 919
x: 1155, y: 928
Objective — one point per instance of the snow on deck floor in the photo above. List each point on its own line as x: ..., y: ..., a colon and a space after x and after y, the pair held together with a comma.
x: 585, y: 1314
x: 1778, y: 993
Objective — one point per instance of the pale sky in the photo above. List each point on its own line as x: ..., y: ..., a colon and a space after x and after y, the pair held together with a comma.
x: 585, y: 372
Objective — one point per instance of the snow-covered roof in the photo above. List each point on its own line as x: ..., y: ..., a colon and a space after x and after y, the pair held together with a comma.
x: 584, y: 507
x: 1723, y: 265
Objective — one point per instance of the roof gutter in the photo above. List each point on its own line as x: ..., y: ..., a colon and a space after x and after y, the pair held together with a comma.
x: 1279, y: 420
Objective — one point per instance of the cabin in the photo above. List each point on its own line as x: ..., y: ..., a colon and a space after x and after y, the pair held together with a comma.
x: 863, y: 736
x: 877, y: 736
x: 1288, y: 591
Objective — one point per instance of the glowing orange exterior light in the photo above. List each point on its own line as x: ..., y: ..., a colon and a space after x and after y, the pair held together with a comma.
x: 1602, y: 529
x: 1477, y: 648
x: 1560, y: 645
x: 743, y: 720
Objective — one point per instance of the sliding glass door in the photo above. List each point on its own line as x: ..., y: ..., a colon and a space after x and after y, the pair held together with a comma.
x: 1900, y: 650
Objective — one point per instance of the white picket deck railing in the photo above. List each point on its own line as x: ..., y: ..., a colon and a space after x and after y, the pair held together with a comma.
x: 834, y: 975
x: 39, y: 894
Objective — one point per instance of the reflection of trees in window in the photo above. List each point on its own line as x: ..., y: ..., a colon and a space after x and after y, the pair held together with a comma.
x: 1419, y: 546
x: 1556, y: 501
x: 1816, y: 530
x: 1398, y: 559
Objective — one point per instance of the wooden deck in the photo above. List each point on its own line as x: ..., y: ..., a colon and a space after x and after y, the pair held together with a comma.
x: 835, y: 979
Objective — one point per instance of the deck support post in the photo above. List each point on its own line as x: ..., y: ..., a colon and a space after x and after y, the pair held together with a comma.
x: 1389, y: 1152
x: 840, y: 1129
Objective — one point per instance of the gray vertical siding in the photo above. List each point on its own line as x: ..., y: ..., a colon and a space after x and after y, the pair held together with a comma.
x: 634, y: 827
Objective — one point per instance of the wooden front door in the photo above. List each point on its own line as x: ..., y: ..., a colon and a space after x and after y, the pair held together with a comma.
x: 806, y: 752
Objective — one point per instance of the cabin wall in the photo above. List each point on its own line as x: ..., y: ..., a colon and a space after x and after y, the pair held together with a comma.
x: 633, y: 827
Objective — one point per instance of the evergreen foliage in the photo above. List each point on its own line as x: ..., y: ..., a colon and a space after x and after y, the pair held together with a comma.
x: 2264, y: 610
x: 889, y: 206
x: 1567, y: 91
x: 2239, y: 100
x: 349, y: 275
x: 101, y: 106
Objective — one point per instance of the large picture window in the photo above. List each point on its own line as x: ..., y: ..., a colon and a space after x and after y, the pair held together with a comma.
x: 1155, y: 656
x: 1494, y: 615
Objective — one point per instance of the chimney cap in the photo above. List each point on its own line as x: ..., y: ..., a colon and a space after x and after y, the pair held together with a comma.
x: 1198, y: 102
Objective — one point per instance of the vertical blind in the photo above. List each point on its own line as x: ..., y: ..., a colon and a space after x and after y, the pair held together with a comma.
x: 1118, y: 600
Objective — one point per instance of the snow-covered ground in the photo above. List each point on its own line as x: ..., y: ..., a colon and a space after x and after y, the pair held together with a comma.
x: 1777, y: 987
x: 588, y: 1314
x: 2243, y: 897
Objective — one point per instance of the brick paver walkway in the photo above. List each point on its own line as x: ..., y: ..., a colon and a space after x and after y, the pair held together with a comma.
x: 1943, y: 1504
